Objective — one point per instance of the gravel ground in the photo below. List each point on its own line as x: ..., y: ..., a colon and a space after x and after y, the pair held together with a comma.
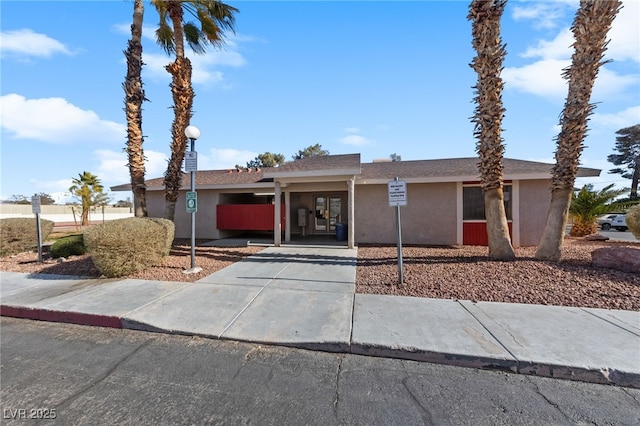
x: 463, y: 273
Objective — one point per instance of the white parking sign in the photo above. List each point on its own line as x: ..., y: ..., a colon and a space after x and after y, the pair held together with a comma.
x: 397, y: 193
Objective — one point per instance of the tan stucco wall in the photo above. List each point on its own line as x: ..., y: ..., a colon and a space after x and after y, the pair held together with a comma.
x: 428, y: 218
x: 535, y: 197
x: 205, y: 217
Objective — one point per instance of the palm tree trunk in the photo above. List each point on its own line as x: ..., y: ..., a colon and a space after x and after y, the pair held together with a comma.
x: 590, y: 27
x: 134, y: 97
x: 489, y: 112
x: 182, y: 103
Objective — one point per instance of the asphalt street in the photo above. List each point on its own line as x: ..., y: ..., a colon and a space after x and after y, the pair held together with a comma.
x: 70, y: 374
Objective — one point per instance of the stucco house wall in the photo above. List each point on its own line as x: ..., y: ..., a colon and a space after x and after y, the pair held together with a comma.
x: 428, y: 218
x: 535, y: 197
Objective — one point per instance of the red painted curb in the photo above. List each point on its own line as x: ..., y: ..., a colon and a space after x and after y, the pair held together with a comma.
x: 65, y: 317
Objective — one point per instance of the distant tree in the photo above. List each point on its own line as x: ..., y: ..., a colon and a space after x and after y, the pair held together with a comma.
x: 311, y: 151
x: 123, y: 203
x: 628, y: 146
x: 88, y: 189
x: 590, y: 28
x: 267, y: 159
x: 45, y: 199
x: 19, y: 199
x: 587, y: 205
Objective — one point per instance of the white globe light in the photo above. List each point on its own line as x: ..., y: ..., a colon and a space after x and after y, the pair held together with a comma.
x: 192, y: 132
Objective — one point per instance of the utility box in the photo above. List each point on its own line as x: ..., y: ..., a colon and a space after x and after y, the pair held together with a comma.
x: 302, y: 217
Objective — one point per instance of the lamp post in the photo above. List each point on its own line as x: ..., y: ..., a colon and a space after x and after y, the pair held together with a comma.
x: 191, y: 165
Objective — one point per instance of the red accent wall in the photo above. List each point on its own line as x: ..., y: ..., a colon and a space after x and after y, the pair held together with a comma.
x: 247, y: 217
x: 475, y: 233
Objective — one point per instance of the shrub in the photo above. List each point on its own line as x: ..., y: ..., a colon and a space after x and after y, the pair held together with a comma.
x: 633, y: 220
x: 122, y: 247
x: 72, y: 245
x: 18, y: 235
x: 170, y: 230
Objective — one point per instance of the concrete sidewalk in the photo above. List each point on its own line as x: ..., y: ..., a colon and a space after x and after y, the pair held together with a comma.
x: 305, y: 297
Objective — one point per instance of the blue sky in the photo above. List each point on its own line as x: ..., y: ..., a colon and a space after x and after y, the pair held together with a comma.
x: 354, y: 76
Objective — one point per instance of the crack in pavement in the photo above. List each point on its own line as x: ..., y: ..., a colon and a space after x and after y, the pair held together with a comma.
x: 67, y: 401
x: 427, y: 418
x: 336, y: 389
x: 553, y: 404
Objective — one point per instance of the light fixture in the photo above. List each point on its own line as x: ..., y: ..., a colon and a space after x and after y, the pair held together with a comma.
x: 192, y: 132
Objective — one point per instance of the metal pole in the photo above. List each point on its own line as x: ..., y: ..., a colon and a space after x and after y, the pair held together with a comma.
x: 39, y: 232
x: 399, y: 239
x: 193, y: 215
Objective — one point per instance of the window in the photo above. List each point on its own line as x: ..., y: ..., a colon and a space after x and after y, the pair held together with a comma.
x: 473, y: 203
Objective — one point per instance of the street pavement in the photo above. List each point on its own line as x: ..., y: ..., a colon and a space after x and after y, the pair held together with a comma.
x: 304, y: 297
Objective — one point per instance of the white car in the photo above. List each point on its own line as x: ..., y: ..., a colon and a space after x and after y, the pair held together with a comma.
x: 620, y: 223
x: 604, y: 221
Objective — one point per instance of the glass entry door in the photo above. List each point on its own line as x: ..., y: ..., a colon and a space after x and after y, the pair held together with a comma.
x: 327, y: 213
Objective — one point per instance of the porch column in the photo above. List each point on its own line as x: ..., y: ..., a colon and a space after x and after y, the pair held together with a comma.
x: 277, y: 238
x: 351, y: 221
x: 287, y: 216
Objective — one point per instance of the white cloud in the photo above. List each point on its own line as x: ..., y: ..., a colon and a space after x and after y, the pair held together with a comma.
x: 558, y: 48
x: 224, y: 158
x: 112, y: 166
x: 625, y: 118
x: 355, y: 140
x: 55, y: 120
x: 542, y: 78
x: 543, y: 14
x: 624, y: 34
x: 204, y: 66
x: 27, y: 43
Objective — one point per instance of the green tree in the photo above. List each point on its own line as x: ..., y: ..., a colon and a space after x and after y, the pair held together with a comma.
x: 587, y: 205
x: 267, y: 159
x: 485, y: 16
x: 311, y: 151
x: 590, y: 28
x: 628, y: 146
x: 133, y: 99
x: 88, y: 189
x: 214, y: 18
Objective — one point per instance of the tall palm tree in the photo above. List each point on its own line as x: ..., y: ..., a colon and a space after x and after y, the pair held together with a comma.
x: 215, y: 18
x: 134, y: 96
x: 590, y: 27
x: 88, y: 188
x: 485, y: 16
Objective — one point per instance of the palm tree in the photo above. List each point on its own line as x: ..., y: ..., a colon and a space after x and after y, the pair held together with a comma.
x: 88, y: 189
x: 485, y: 16
x: 587, y: 205
x: 215, y: 18
x: 590, y: 27
x: 134, y: 96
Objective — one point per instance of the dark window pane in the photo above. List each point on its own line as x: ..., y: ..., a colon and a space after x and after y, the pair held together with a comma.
x: 473, y: 203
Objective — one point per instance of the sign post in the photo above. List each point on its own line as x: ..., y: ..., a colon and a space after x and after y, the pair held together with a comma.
x: 191, y: 166
x: 36, y: 208
x: 398, y: 197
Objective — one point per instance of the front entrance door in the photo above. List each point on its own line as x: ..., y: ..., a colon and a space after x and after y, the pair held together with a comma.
x: 327, y: 213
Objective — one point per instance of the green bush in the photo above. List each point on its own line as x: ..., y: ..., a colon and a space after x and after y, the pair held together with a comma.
x: 633, y: 220
x: 18, y: 235
x: 122, y: 247
x: 72, y: 245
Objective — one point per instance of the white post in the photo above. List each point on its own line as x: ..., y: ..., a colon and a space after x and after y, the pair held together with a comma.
x: 277, y: 238
x: 287, y: 216
x: 351, y: 214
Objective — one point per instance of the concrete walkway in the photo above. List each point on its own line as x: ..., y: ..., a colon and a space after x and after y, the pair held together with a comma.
x: 305, y: 297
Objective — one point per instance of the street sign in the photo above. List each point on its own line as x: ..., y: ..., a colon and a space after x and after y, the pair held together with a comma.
x: 192, y: 202
x: 191, y: 161
x: 397, y: 193
x: 35, y: 204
